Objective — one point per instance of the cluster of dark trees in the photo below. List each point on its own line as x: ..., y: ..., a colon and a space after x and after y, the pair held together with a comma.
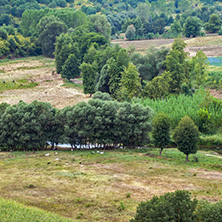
x: 100, y: 122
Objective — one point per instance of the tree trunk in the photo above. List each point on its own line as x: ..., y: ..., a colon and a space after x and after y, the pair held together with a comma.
x: 161, y: 149
x: 187, y: 159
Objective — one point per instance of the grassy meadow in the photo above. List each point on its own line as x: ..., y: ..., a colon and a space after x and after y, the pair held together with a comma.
x: 86, y: 186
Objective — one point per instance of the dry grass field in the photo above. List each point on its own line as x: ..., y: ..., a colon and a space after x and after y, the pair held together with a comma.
x: 37, y: 70
x: 88, y: 187
x: 211, y: 46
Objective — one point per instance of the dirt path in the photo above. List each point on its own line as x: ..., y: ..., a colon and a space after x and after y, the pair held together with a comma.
x: 50, y: 87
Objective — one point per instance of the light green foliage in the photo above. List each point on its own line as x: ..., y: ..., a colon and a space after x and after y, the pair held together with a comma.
x: 70, y: 69
x: 89, y: 77
x: 208, y: 212
x: 169, y: 207
x: 214, y: 24
x: 176, y: 107
x: 199, y: 74
x: 205, y: 122
x: 4, y: 48
x: 16, y: 212
x: 186, y: 136
x: 158, y: 87
x: 101, y: 24
x: 192, y: 26
x: 130, y: 32
x: 161, y: 130
x: 130, y: 84
x: 177, y: 65
x: 176, y: 28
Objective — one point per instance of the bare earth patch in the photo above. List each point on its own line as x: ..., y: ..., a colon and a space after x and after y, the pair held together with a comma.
x: 211, y: 46
x: 49, y: 89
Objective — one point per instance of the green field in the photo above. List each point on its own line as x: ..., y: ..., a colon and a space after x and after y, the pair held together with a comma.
x: 86, y: 186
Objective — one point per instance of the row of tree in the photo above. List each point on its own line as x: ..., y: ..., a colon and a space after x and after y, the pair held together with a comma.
x: 99, y: 123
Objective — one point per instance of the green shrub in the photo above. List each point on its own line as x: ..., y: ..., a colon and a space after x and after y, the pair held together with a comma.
x: 205, y: 122
x: 176, y: 206
x: 207, y: 212
x: 186, y: 136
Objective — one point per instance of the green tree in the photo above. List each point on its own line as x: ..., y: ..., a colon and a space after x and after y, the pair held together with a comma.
x: 198, y: 68
x: 130, y: 32
x: 101, y: 24
x: 70, y: 69
x: 116, y: 67
x: 89, y: 77
x: 186, y: 136
x: 169, y: 207
x: 177, y: 64
x: 161, y: 130
x: 192, y: 27
x: 103, y: 82
x: 214, y: 24
x: 48, y: 28
x: 130, y: 83
x: 176, y: 28
x: 158, y: 87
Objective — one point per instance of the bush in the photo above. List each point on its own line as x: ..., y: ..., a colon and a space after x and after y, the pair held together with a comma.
x: 102, y: 96
x: 205, y: 123
x: 176, y: 206
x: 186, y: 136
x: 207, y: 212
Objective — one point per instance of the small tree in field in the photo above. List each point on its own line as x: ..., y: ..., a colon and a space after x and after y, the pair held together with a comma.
x: 169, y: 207
x: 186, y: 136
x: 161, y: 131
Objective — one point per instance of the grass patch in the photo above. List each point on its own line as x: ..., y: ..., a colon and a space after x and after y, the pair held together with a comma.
x: 105, y: 187
x: 204, y: 41
x: 36, y: 67
x: 26, y: 59
x: 16, y: 212
x: 18, y: 84
x: 69, y: 84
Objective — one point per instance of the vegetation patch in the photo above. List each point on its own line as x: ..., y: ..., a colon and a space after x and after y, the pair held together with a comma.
x: 16, y: 212
x: 18, y: 84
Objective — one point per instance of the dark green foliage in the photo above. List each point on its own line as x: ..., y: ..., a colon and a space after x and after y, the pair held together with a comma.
x: 208, y: 212
x: 26, y: 127
x: 186, y: 136
x: 214, y: 24
x: 3, y: 34
x: 169, y: 207
x: 102, y: 96
x: 161, y: 130
x: 103, y: 82
x: 89, y: 77
x: 192, y: 27
x: 152, y: 64
x: 48, y: 28
x: 70, y: 69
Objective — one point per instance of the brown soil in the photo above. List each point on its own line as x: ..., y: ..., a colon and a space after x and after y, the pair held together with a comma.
x: 216, y: 93
x: 50, y: 87
x: 193, y: 45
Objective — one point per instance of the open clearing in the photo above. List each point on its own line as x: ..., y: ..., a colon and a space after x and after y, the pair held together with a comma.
x: 39, y: 70
x: 211, y: 46
x: 104, y: 187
